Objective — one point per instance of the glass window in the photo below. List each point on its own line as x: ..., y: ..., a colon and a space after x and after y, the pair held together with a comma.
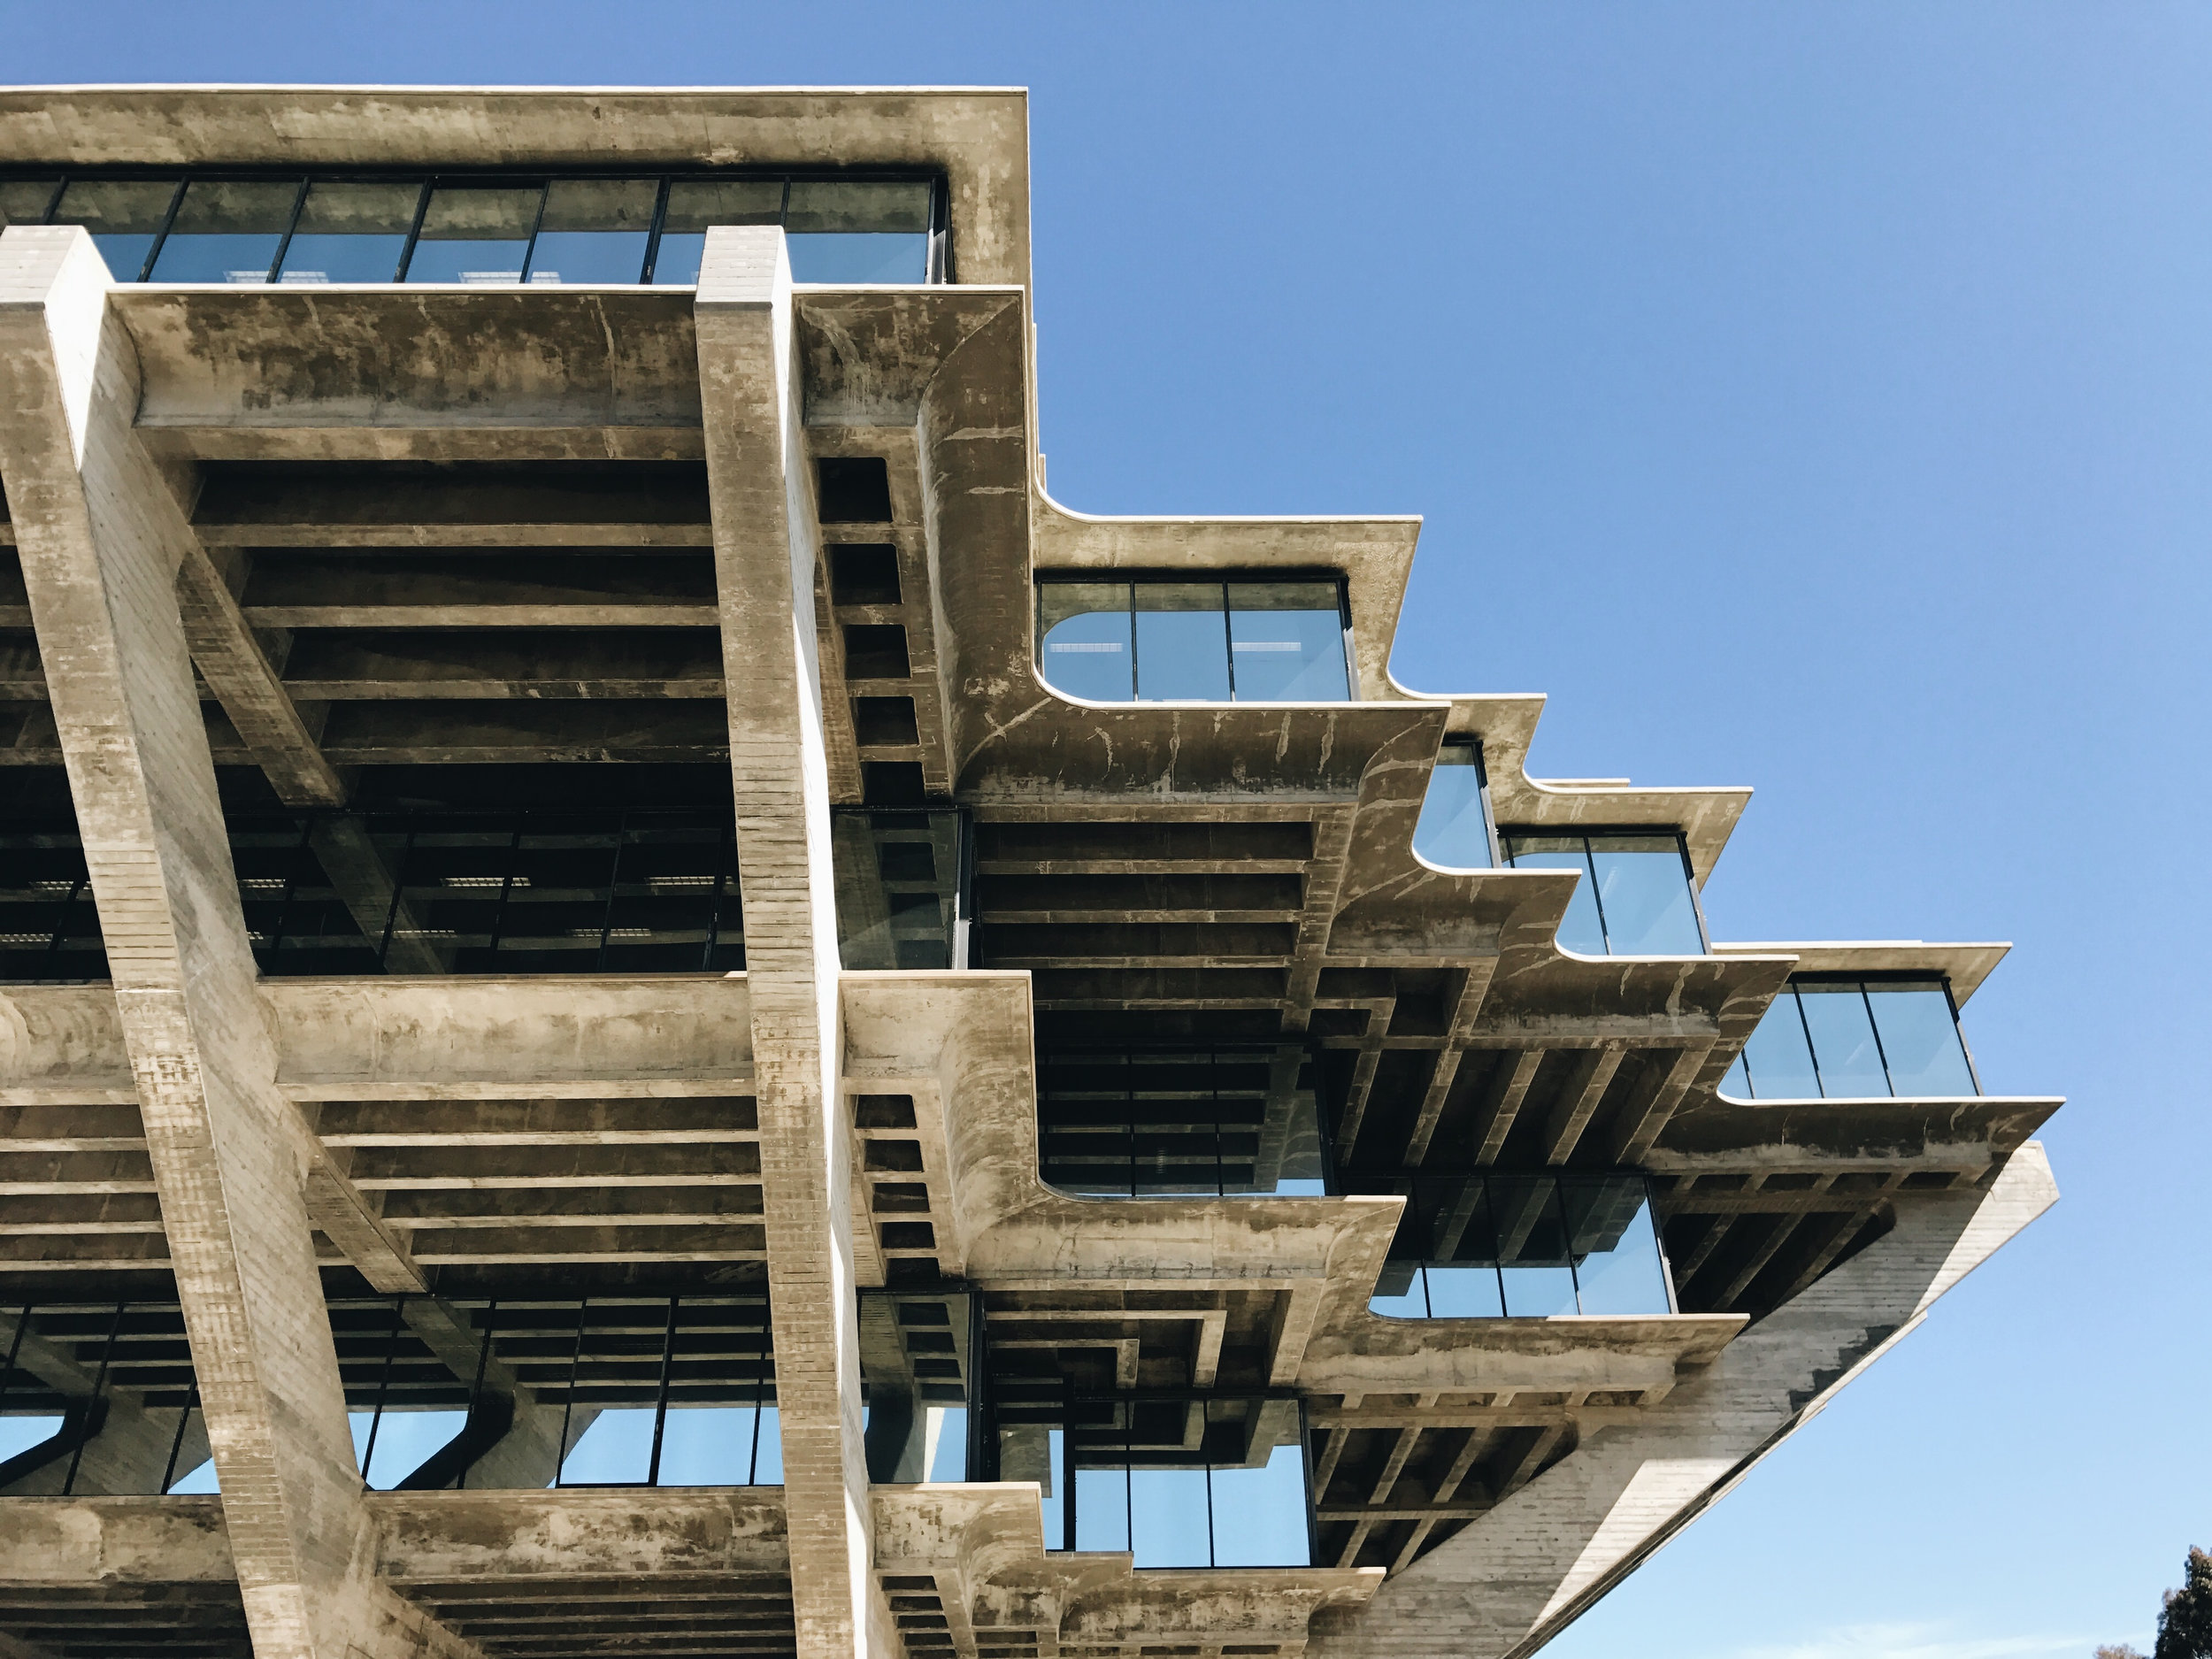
x: 593, y: 230
x: 1777, y: 1062
x: 1643, y: 892
x: 391, y: 1445
x: 845, y: 230
x: 1181, y: 646
x: 351, y: 231
x: 25, y: 200
x: 1101, y: 1507
x: 1453, y: 829
x: 1259, y: 1513
x: 123, y: 215
x: 1169, y: 1515
x: 475, y: 233
x: 1287, y: 642
x: 1532, y: 1261
x: 1580, y: 930
x: 899, y: 903
x: 226, y: 230
x: 1920, y: 1040
x: 695, y: 204
x: 1615, y: 1246
x: 1844, y: 1046
x: 1086, y: 633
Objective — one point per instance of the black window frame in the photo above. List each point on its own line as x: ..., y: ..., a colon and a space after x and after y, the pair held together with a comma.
x: 1064, y: 576
x: 1586, y: 833
x: 938, y: 269
x: 1873, y: 976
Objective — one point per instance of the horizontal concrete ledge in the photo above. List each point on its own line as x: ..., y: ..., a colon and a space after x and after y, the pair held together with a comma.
x: 452, y: 1537
x: 1965, y: 966
x: 1368, y: 1354
x: 89, y: 1541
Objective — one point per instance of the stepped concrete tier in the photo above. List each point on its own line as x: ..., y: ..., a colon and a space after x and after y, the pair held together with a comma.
x: 647, y: 1006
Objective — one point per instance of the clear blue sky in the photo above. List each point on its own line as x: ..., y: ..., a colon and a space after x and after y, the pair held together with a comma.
x: 1815, y: 397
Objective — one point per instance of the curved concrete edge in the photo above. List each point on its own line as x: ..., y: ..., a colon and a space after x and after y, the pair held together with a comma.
x: 1518, y: 1576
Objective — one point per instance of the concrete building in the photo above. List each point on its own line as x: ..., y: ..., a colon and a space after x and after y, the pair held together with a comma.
x: 652, y: 1008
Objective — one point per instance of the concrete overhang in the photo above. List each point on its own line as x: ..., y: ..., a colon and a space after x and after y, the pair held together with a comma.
x: 977, y: 137
x: 493, y: 1536
x: 118, y: 1541
x: 1362, y: 1353
x: 1965, y: 966
x: 1711, y: 1132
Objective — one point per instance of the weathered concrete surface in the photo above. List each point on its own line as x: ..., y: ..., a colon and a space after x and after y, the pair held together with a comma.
x: 100, y: 537
x: 489, y: 1537
x: 1519, y: 1574
x: 133, y: 1447
x: 978, y: 135
x: 73, y: 1542
x: 765, y: 554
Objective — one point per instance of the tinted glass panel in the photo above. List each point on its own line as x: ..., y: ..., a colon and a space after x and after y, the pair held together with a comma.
x: 351, y: 232
x: 1644, y: 893
x: 1580, y: 930
x: 1737, y: 1082
x: 1168, y: 1513
x: 1617, y: 1267
x: 124, y: 216
x: 859, y: 258
x: 1532, y: 1248
x: 898, y: 206
x: 708, y: 1446
x: 25, y: 200
x: 405, y: 1442
x: 1464, y: 1291
x: 1182, y: 646
x: 1286, y: 640
x: 695, y: 204
x: 1101, y: 1507
x: 1453, y: 829
x: 1086, y: 640
x: 227, y: 231
x: 1776, y: 1061
x: 616, y: 1450
x: 593, y: 230
x: 1259, y: 1515
x: 1844, y: 1049
x: 475, y: 235
x: 1920, y: 1040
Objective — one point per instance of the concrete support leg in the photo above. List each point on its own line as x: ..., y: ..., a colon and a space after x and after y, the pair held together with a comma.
x: 765, y: 556
x: 1515, y: 1577
x: 101, y: 538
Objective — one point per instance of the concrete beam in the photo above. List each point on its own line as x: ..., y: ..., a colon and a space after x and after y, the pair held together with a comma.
x: 765, y: 549
x: 1521, y: 1572
x: 101, y: 538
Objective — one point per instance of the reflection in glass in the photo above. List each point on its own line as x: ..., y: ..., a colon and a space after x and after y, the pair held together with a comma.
x: 1085, y: 630
x: 1181, y: 642
x: 899, y: 899
x: 475, y: 233
x: 1453, y: 829
x: 1844, y: 1046
x: 1140, y: 1123
x: 858, y: 231
x: 26, y: 201
x: 593, y: 230
x: 695, y: 204
x: 226, y: 230
x: 123, y: 215
x: 1643, y: 891
x: 1777, y: 1060
x: 1260, y: 1514
x: 1287, y: 642
x: 1485, y: 1246
x: 1580, y: 930
x: 20, y: 1433
x: 1920, y: 1045
x: 351, y: 231
x: 390, y: 1446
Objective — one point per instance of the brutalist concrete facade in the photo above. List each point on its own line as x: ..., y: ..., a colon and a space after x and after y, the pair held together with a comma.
x: 546, y: 876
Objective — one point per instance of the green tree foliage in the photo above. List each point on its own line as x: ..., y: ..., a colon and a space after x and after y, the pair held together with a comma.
x: 2185, y: 1628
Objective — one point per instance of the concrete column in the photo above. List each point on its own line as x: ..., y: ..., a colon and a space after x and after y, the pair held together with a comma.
x: 101, y: 538
x: 1519, y: 1574
x: 764, y: 550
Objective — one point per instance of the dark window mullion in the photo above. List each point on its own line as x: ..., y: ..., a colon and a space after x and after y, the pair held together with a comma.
x: 291, y: 225
x: 414, y: 230
x: 568, y: 1401
x: 530, y: 246
x: 1812, y: 1053
x: 653, y: 234
x: 1881, y: 1050
x: 1228, y: 643
x: 53, y: 202
x: 99, y: 1388
x: 153, y: 252
x: 1590, y: 869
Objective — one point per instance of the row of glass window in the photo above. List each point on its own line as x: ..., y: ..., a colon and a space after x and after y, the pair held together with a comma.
x: 1843, y: 1039
x: 1192, y: 642
x: 1523, y: 1246
x: 480, y: 229
x: 1142, y: 1123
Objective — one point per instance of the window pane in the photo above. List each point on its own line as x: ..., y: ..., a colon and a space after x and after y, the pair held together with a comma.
x: 197, y: 1481
x: 695, y: 204
x: 1182, y: 647
x: 1464, y: 1290
x: 1618, y: 1268
x: 1580, y: 930
x: 1101, y: 1507
x: 1532, y: 1246
x: 25, y: 200
x: 859, y: 258
x: 1737, y: 1083
x: 1288, y: 641
x: 1167, y: 1515
x: 768, y: 1457
x: 1086, y: 641
x: 593, y: 230
x: 948, y: 1436
x: 1399, y: 1293
x: 842, y: 205
x: 1920, y: 1040
x: 1452, y: 831
x: 1644, y: 891
x: 706, y: 1446
x: 474, y: 234
x: 1259, y: 1515
x: 20, y: 1433
x: 616, y: 1450
x: 1777, y: 1062
x: 351, y: 232
x: 124, y: 216
x: 226, y: 230
x: 1843, y: 1041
